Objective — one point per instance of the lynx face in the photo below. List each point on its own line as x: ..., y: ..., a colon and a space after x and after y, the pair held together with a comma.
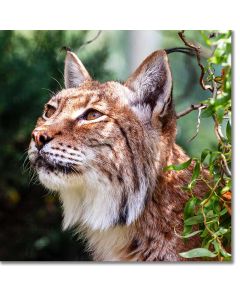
x: 98, y: 145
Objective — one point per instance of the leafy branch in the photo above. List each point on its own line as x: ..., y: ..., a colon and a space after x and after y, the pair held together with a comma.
x: 211, y: 214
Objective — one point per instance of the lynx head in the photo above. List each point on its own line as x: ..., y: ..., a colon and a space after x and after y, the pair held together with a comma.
x: 102, y: 146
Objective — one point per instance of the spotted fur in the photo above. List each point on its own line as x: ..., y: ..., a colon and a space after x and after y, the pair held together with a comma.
x: 108, y: 169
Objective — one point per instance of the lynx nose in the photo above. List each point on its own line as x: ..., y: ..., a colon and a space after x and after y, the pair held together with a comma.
x: 41, y: 138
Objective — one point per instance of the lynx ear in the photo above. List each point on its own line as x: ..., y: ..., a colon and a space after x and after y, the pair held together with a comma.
x: 152, y: 86
x: 74, y: 72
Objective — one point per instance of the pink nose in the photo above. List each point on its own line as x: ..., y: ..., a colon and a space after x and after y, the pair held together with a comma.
x: 40, y: 138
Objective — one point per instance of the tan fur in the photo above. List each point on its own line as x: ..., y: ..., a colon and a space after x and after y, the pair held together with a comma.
x: 109, y: 170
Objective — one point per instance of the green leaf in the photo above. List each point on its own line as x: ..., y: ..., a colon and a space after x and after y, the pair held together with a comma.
x: 216, y: 246
x: 204, y: 154
x: 221, y: 231
x: 189, y: 207
x: 198, y: 252
x: 206, y: 242
x: 204, y: 233
x: 194, y: 220
x: 228, y: 132
x: 229, y: 258
x: 220, y: 113
x: 196, y: 171
x: 223, y: 212
x: 187, y: 230
x: 225, y: 189
x: 224, y: 252
x: 189, y: 212
x: 178, y: 167
x: 215, y: 205
x: 208, y: 112
x: 213, y: 156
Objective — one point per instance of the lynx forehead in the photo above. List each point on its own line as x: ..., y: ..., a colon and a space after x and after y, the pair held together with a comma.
x: 103, y: 148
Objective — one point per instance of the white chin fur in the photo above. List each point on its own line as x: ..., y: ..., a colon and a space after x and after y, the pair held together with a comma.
x: 91, y: 200
x: 56, y: 182
x: 87, y: 199
x: 50, y: 181
x: 90, y: 203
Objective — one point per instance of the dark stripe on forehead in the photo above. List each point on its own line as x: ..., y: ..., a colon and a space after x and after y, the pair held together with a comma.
x: 89, y: 96
x: 87, y: 99
x: 96, y: 101
x: 65, y: 97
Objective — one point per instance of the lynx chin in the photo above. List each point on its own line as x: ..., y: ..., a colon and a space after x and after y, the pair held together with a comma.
x: 103, y: 148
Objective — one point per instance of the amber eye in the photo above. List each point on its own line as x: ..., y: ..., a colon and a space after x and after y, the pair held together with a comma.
x: 92, y: 115
x: 49, y: 110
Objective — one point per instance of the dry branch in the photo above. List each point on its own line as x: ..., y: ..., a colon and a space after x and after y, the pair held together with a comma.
x: 190, y: 109
x: 197, y: 51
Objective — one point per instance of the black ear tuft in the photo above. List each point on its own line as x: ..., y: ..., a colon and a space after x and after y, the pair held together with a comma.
x: 65, y: 48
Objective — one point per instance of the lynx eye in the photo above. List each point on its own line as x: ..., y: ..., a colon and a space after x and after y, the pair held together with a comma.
x: 49, y: 110
x: 92, y: 115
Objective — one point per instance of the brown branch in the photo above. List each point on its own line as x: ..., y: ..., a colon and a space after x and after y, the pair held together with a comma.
x: 190, y: 109
x: 196, y: 49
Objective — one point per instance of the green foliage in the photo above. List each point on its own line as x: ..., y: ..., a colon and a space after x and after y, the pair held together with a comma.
x: 198, y: 252
x: 212, y: 213
x: 179, y: 167
x: 31, y: 71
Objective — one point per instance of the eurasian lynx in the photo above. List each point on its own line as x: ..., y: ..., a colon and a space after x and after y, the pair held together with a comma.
x: 103, y: 147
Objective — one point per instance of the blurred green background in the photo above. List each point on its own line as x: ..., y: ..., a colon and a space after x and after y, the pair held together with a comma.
x: 31, y: 68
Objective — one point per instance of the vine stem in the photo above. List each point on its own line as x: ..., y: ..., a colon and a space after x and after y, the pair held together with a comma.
x: 218, y: 196
x: 215, y: 237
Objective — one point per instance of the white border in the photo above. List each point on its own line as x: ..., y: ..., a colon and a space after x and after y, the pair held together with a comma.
x: 124, y: 281
x: 124, y: 14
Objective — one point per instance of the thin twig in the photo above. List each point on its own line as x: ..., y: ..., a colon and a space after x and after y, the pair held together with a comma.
x: 196, y: 49
x: 226, y: 168
x: 218, y: 131
x: 198, y: 123
x: 217, y: 126
x: 92, y: 40
x: 66, y: 48
x: 190, y: 109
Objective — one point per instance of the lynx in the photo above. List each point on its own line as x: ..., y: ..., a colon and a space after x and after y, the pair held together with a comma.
x: 103, y: 148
